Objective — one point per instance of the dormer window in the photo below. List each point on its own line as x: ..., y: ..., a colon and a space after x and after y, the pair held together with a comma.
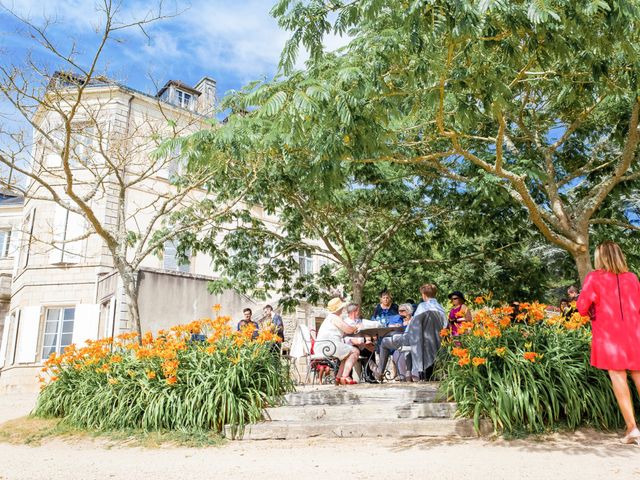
x: 183, y: 99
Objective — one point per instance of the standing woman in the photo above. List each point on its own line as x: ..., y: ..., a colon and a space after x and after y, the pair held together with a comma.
x: 615, y: 346
x: 460, y: 312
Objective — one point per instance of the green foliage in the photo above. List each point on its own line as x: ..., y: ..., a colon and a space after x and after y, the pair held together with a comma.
x: 555, y: 388
x: 167, y: 383
x: 538, y: 96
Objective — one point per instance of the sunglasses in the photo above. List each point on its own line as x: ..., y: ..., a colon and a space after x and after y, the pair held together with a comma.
x: 455, y: 298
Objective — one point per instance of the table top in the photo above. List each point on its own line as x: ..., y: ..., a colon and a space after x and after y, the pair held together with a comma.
x: 376, y: 331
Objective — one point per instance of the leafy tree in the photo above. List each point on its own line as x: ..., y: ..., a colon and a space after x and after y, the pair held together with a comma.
x: 540, y: 97
x: 352, y: 221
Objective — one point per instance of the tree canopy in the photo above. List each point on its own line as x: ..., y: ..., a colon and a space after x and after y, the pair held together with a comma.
x: 541, y: 97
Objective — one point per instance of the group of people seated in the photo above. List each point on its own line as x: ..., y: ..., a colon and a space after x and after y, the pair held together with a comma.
x: 412, y: 343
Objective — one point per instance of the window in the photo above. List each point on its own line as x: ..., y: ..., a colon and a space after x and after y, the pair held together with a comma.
x: 68, y: 230
x: 82, y: 145
x: 306, y: 262
x: 183, y: 99
x: 58, y: 330
x: 5, y: 243
x: 170, y: 260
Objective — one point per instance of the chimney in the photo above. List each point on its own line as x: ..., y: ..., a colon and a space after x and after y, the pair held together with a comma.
x: 207, y: 99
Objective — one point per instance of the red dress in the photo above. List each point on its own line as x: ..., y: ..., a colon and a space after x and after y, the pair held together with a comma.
x: 616, y: 327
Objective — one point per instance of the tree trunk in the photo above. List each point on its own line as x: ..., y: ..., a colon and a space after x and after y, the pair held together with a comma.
x: 358, y: 282
x: 130, y: 285
x: 583, y: 263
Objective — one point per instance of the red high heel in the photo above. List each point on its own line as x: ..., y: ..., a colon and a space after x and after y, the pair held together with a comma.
x: 345, y: 381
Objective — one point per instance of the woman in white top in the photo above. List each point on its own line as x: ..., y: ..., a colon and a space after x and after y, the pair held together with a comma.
x: 330, y: 338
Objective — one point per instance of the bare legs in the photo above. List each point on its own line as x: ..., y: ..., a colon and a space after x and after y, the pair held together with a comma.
x: 348, y: 363
x: 620, y: 385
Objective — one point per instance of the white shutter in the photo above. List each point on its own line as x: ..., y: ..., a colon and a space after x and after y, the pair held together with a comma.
x: 58, y: 228
x: 75, y: 229
x: 111, y: 310
x: 28, y: 329
x: 13, y: 242
x: 5, y: 340
x: 85, y: 323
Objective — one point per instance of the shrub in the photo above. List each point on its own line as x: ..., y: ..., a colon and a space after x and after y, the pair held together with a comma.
x: 168, y: 382
x: 526, y: 372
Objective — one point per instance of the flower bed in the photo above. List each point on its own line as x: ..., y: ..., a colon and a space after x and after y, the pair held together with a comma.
x: 167, y: 382
x: 526, y: 372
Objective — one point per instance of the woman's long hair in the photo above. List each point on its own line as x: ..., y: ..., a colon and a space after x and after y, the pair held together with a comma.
x: 609, y: 257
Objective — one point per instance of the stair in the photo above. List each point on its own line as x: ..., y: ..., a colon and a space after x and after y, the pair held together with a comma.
x: 388, y: 410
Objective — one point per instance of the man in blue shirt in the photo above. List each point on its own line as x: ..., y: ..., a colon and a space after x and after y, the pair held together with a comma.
x: 430, y: 304
x: 247, y: 313
x: 422, y: 336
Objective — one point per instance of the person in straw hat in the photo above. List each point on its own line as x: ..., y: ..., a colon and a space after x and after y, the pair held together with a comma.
x: 330, y: 338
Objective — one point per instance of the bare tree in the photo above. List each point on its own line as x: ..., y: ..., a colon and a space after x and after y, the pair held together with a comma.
x: 108, y: 171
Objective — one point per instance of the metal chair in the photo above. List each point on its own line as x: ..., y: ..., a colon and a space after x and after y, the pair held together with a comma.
x: 317, y: 360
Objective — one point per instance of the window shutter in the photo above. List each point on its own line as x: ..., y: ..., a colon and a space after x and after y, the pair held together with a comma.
x: 59, y: 226
x: 86, y: 322
x: 28, y: 335
x: 5, y: 340
x: 75, y: 229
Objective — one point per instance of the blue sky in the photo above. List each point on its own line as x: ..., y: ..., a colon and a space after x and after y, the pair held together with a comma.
x: 232, y: 41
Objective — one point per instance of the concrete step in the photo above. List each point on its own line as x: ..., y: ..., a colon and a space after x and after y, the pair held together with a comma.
x: 350, y: 412
x: 364, y: 394
x: 399, y: 428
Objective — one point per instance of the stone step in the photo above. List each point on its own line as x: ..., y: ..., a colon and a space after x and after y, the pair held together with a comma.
x: 363, y: 394
x: 399, y: 428
x: 350, y: 412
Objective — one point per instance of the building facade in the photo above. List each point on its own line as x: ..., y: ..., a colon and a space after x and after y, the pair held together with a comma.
x: 58, y: 284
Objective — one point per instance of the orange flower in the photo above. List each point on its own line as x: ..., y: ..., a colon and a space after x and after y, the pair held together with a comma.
x: 479, y: 300
x: 531, y: 356
x: 477, y: 361
x: 505, y: 321
x: 464, y: 361
x: 172, y: 380
x: 217, y: 307
x: 151, y: 375
x: 445, y: 332
x: 500, y: 351
x: 464, y: 327
x: 460, y: 352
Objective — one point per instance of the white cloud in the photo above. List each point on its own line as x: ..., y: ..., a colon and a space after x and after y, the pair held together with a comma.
x: 233, y: 41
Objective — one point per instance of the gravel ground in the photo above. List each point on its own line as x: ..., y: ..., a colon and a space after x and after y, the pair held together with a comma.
x: 582, y: 455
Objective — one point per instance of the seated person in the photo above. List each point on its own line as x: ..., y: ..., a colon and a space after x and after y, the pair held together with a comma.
x: 353, y: 320
x: 329, y: 341
x: 402, y: 356
x: 459, y: 313
x: 422, y: 336
x: 385, y: 308
x: 247, y: 320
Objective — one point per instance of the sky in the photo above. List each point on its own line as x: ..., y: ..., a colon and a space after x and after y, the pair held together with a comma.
x: 234, y: 42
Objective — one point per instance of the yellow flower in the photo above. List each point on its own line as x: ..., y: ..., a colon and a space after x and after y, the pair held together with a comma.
x: 477, y: 361
x: 500, y: 351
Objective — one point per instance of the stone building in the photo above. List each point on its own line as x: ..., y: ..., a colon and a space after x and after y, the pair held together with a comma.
x: 58, y: 286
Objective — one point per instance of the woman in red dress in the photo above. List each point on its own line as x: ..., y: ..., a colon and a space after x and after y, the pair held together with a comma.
x: 614, y: 293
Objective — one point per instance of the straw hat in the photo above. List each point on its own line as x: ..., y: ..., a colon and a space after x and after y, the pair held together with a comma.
x: 335, y: 304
